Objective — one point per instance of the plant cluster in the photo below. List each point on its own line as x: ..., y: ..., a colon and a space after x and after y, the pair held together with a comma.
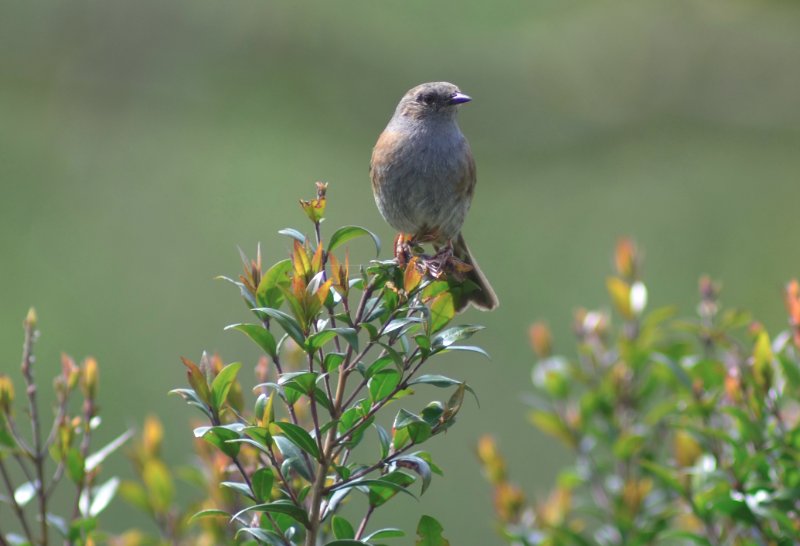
x: 682, y: 431
x: 340, y: 348
x: 32, y: 465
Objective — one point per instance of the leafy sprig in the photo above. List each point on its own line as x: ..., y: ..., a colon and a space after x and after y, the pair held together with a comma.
x: 340, y: 348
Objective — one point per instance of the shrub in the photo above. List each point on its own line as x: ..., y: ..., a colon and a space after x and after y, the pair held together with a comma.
x: 32, y: 466
x: 682, y: 431
x: 340, y: 348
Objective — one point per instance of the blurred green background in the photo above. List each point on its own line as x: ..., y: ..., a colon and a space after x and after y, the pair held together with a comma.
x: 140, y: 142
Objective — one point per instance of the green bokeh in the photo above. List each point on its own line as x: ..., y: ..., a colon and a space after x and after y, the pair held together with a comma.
x: 140, y: 142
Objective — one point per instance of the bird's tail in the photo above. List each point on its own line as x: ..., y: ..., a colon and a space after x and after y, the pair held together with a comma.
x: 483, y: 296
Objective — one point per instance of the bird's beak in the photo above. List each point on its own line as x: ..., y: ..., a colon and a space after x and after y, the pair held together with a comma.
x: 459, y: 98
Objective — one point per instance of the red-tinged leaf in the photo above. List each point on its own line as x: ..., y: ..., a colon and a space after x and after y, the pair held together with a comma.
x: 197, y: 380
x: 412, y: 276
x: 322, y: 291
x: 302, y: 264
x: 551, y: 424
x: 316, y: 260
x: 620, y: 293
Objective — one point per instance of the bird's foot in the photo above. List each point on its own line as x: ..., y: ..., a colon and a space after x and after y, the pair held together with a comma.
x: 403, y: 246
x: 444, y: 262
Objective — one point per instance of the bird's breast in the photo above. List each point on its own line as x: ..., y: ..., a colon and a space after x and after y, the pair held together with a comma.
x: 423, y: 179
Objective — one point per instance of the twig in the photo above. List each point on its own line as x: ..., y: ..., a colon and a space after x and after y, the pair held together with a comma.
x: 363, y: 525
x: 38, y: 448
x: 17, y: 508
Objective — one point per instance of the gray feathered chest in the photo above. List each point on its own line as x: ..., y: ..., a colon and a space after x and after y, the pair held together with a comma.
x: 423, y: 175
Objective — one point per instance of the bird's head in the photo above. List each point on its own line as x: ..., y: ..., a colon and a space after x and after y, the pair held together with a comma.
x: 433, y: 100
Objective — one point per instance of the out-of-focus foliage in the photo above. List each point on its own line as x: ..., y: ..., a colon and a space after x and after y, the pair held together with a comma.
x: 682, y: 431
x: 341, y: 347
x: 141, y: 140
x: 33, y: 465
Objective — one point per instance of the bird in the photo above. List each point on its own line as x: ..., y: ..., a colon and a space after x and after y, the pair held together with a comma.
x: 423, y: 180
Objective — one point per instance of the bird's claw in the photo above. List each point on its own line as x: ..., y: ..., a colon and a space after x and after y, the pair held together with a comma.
x: 438, y: 266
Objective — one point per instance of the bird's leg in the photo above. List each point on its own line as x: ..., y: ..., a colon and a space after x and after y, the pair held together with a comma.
x: 402, y: 248
x: 438, y: 263
x: 445, y: 261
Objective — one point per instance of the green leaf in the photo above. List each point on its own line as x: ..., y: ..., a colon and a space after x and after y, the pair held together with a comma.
x: 333, y: 361
x: 378, y: 365
x: 667, y: 475
x: 294, y: 234
x: 209, y: 513
x: 219, y: 437
x: 102, y: 496
x: 384, y: 439
x: 277, y: 507
x: 423, y: 341
x: 299, y: 437
x: 389, y: 532
x: 442, y: 382
x: 383, y: 489
x: 550, y: 423
x: 349, y: 419
x: 346, y: 233
x: 293, y: 457
x: 269, y: 293
x: 6, y: 439
x: 418, y: 429
x: 305, y: 382
x: 93, y: 460
x: 669, y: 537
x: 790, y: 370
x: 628, y: 444
x: 318, y: 340
x: 260, y: 335
x: 442, y: 310
x: 222, y: 384
x: 429, y: 533
x: 287, y: 322
x: 342, y: 528
x: 262, y: 483
x: 239, y: 487
x: 190, y: 397
x: 263, y: 535
x: 418, y: 465
x: 349, y: 335
x: 383, y: 384
x: 347, y: 542
x: 432, y: 413
x: 456, y: 333
x: 250, y: 442
x: 24, y: 493
x: 466, y: 348
x: 75, y: 465
x: 160, y: 486
x: 135, y: 495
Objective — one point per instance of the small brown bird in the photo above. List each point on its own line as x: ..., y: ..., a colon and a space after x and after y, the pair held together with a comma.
x: 423, y: 178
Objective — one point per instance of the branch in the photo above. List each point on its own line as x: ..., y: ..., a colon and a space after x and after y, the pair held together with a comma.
x: 38, y: 447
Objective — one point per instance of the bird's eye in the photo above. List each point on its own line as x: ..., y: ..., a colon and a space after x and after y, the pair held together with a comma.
x: 426, y: 98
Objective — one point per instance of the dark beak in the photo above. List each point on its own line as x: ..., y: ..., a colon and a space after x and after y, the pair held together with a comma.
x: 459, y: 98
